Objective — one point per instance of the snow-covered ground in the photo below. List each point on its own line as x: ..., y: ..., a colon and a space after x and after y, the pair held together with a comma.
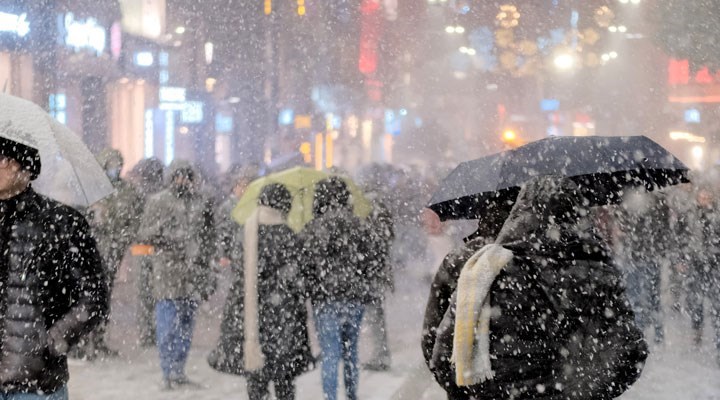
x: 675, y: 370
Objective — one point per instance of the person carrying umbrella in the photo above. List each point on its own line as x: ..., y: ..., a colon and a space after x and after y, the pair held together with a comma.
x: 276, y: 345
x: 53, y: 288
x: 339, y: 281
x: 541, y: 313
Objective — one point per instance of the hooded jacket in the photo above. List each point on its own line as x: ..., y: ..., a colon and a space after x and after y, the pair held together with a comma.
x: 562, y: 327
x: 53, y: 290
x: 181, y: 229
x: 115, y: 219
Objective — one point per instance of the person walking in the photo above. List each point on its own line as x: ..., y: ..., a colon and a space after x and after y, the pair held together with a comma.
x: 336, y: 245
x: 703, y: 269
x: 444, y: 284
x: 148, y: 179
x: 541, y: 313
x: 644, y: 222
x: 276, y: 346
x: 178, y: 223
x: 53, y: 288
x: 228, y: 354
x: 113, y: 221
x: 380, y: 226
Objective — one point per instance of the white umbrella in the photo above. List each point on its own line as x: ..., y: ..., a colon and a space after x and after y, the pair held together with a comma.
x: 70, y: 174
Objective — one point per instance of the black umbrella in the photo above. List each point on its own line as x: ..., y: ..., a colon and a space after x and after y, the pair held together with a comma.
x: 602, y: 166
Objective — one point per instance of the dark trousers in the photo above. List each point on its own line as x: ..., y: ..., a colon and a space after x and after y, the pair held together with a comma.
x: 703, y: 285
x: 643, y: 289
x: 258, y: 386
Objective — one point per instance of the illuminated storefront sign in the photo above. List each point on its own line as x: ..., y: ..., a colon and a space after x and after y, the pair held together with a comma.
x: 83, y: 35
x: 144, y: 59
x: 172, y: 98
x: 13, y: 23
x: 192, y: 113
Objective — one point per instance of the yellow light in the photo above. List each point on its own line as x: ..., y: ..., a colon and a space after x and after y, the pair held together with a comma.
x: 268, y: 7
x: 306, y: 151
x: 329, y: 151
x: 301, y: 7
x: 210, y: 84
x: 509, y: 135
x: 319, y: 151
x: 680, y: 135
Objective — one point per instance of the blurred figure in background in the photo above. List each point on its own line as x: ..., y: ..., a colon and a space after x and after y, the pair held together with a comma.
x: 178, y: 223
x: 114, y: 221
x: 227, y: 356
x: 381, y: 229
x: 148, y: 177
x: 703, y: 269
x: 683, y: 213
x: 644, y: 223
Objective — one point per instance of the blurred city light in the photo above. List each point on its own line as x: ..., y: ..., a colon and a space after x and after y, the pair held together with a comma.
x: 687, y: 136
x: 509, y: 135
x: 180, y: 30
x: 564, y: 61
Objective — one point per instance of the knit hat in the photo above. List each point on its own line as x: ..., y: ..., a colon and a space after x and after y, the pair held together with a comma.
x: 277, y: 196
x: 26, y: 156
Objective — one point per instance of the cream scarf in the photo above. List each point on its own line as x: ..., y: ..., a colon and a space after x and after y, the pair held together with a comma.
x: 254, y: 358
x: 471, y: 343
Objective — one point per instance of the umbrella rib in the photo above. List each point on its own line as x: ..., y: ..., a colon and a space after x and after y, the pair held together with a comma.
x: 87, y: 200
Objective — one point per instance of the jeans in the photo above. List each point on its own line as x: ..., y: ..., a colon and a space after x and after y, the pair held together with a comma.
x: 338, y: 326
x: 60, y: 394
x: 175, y: 320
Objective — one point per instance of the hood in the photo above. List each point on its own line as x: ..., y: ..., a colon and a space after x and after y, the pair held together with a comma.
x: 549, y: 215
x: 180, y: 164
x: 108, y: 156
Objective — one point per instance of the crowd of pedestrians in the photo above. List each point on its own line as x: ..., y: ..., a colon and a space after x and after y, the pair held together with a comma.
x: 175, y: 226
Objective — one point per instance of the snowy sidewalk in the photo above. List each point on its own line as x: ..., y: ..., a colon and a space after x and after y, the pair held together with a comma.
x: 675, y: 370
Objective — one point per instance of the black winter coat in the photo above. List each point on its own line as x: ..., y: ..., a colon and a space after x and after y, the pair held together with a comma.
x: 53, y: 290
x: 282, y: 312
x: 283, y: 315
x: 563, y: 327
x: 443, y: 286
x: 337, y: 262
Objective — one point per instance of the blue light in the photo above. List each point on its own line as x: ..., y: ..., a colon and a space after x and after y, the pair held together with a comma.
x: 192, y: 112
x: 403, y: 112
x: 692, y: 116
x: 286, y: 117
x: 223, y: 123
x: 549, y: 105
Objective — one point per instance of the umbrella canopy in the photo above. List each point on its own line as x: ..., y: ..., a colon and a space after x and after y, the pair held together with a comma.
x: 70, y: 174
x: 301, y: 184
x: 602, y: 167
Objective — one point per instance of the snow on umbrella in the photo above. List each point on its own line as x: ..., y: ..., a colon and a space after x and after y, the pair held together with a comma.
x: 301, y: 184
x: 602, y: 166
x: 70, y: 174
